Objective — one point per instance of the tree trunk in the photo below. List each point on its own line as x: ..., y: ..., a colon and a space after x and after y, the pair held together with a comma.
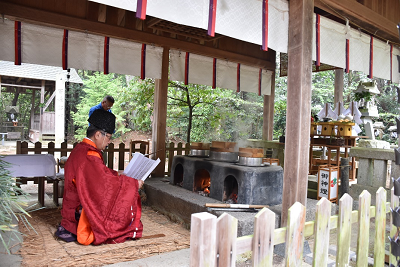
x: 189, y: 124
x: 15, y: 99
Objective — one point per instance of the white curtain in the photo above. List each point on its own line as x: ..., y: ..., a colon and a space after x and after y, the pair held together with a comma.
x: 235, y: 18
x: 201, y: 72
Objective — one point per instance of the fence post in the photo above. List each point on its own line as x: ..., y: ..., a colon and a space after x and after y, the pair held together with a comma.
x: 179, y: 149
x: 187, y: 148
x: 295, y: 234
x: 203, y: 228
x: 262, y: 245
x: 18, y: 150
x: 38, y: 148
x: 121, y: 156
x: 344, y: 177
x: 394, y: 203
x: 171, y: 154
x: 64, y: 146
x: 364, y: 202
x: 226, y: 240
x: 322, y: 231
x: 110, y: 156
x: 344, y: 230
x: 50, y: 147
x: 380, y: 227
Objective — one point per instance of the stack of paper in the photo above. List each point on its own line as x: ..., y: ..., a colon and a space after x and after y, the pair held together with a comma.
x: 140, y: 166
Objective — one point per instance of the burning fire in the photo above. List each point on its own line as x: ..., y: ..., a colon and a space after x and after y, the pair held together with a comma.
x: 207, y: 188
x: 234, y: 198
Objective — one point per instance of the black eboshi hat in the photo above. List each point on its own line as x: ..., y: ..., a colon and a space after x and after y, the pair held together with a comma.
x: 103, y: 120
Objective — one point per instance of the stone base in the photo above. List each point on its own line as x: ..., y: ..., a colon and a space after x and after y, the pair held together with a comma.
x: 356, y: 190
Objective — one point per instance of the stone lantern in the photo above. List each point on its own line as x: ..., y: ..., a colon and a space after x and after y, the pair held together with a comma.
x: 365, y: 95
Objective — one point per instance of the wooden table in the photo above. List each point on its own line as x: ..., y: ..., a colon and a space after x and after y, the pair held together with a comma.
x: 321, y: 141
x: 32, y: 165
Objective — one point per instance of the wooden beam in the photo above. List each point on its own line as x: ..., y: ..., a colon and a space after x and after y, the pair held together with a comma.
x: 121, y: 17
x: 42, y: 92
x: 268, y: 114
x: 24, y: 13
x: 295, y: 173
x: 361, y: 15
x: 339, y: 85
x: 24, y: 86
x: 102, y: 13
x: 160, y: 115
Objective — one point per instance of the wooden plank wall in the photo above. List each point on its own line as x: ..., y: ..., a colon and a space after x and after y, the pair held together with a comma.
x: 387, y: 8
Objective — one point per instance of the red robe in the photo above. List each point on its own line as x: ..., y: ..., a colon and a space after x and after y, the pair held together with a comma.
x: 111, y: 202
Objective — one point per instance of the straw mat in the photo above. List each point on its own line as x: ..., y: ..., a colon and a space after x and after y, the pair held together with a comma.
x: 43, y: 249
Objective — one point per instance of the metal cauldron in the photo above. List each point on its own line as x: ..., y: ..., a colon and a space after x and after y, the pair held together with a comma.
x: 224, y: 156
x: 199, y: 153
x: 251, y: 162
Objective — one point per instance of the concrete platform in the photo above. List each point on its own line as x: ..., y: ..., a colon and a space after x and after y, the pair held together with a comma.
x: 178, y: 204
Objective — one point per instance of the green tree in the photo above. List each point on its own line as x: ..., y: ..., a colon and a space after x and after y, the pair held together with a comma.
x: 95, y: 87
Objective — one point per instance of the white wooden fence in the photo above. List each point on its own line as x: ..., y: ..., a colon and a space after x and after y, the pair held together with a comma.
x: 214, y: 241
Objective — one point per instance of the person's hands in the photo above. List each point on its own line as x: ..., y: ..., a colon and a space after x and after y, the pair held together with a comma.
x: 140, y: 183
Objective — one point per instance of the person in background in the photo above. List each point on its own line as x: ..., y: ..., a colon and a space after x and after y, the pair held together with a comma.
x: 99, y: 205
x: 106, y: 104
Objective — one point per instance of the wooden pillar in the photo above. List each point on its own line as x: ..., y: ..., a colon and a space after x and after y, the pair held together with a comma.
x: 59, y: 107
x: 160, y: 115
x: 268, y: 115
x: 41, y: 108
x: 297, y: 139
x: 32, y: 120
x: 339, y: 81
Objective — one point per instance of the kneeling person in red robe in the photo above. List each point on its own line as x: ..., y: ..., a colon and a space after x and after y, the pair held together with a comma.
x: 99, y: 205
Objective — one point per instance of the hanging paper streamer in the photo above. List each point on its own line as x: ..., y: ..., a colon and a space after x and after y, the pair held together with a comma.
x: 212, y: 13
x: 340, y: 110
x: 353, y: 111
x: 65, y: 50
x: 326, y: 112
x: 17, y: 40
x: 106, y: 53
x: 265, y: 25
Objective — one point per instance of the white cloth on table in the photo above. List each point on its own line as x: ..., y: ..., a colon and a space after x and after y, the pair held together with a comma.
x: 31, y: 165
